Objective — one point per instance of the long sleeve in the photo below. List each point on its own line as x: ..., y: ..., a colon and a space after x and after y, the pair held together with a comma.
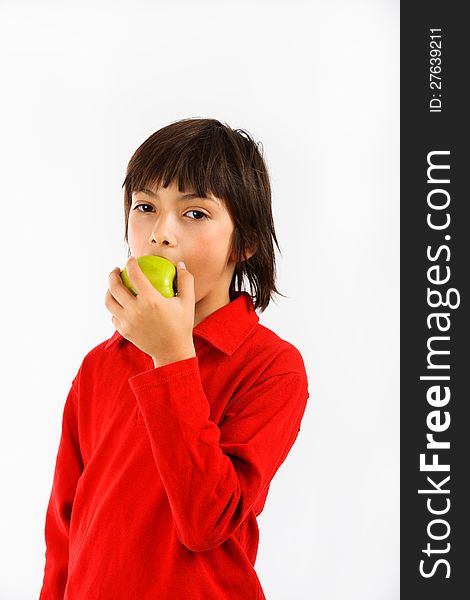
x: 213, y: 476
x: 68, y: 467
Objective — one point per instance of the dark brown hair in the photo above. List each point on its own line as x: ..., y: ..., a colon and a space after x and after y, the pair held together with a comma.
x: 208, y: 157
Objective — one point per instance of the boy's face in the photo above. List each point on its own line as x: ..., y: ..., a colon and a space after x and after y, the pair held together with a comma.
x: 195, y: 230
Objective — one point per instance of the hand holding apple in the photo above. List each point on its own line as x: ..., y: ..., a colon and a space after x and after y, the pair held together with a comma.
x: 160, y: 324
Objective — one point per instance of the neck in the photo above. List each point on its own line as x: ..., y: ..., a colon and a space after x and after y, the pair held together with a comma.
x: 208, y: 305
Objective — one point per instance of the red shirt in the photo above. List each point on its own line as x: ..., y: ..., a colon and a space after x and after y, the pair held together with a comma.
x: 161, y: 472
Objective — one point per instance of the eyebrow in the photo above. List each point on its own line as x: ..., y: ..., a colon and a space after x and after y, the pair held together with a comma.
x: 182, y: 197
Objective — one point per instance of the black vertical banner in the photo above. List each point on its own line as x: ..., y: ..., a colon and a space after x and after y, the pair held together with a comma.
x: 434, y: 302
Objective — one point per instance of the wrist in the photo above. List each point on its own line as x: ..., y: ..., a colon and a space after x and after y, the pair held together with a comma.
x: 165, y: 359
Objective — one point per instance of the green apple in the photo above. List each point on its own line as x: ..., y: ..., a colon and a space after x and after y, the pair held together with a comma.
x: 159, y: 271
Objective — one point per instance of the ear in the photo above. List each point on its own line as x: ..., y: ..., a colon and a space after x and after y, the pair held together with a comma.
x: 248, y: 253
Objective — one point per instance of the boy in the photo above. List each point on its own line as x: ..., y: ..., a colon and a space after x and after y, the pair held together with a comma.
x: 174, y: 427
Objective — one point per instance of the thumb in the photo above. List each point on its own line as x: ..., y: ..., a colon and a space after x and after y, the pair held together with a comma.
x: 185, y: 281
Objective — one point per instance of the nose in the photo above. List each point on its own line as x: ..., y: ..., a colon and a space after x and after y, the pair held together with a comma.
x: 162, y: 235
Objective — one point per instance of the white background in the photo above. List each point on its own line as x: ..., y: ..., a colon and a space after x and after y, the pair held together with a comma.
x: 83, y: 85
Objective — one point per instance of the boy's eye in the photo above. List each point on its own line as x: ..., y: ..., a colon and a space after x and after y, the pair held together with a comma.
x: 204, y: 216
x: 139, y: 205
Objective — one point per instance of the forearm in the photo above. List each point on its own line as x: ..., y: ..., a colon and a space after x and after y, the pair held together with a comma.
x: 213, y: 475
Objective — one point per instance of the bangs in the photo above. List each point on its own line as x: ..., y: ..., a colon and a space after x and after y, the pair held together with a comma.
x: 206, y: 161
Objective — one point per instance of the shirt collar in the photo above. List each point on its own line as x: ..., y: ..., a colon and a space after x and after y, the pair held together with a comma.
x: 226, y: 328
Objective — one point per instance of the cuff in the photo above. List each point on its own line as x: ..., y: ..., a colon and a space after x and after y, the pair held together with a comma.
x: 157, y: 375
x: 170, y: 393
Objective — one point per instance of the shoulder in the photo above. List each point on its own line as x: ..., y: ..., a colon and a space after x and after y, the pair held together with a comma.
x: 273, y: 355
x: 100, y: 351
x: 272, y: 375
x: 96, y: 358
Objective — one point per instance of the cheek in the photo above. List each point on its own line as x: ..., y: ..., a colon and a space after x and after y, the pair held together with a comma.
x: 216, y: 243
x: 211, y: 253
x: 130, y: 228
x: 135, y: 230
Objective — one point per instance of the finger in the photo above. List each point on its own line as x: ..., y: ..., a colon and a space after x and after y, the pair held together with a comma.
x: 139, y: 280
x: 113, y: 305
x: 117, y: 324
x: 185, y: 283
x: 120, y: 292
